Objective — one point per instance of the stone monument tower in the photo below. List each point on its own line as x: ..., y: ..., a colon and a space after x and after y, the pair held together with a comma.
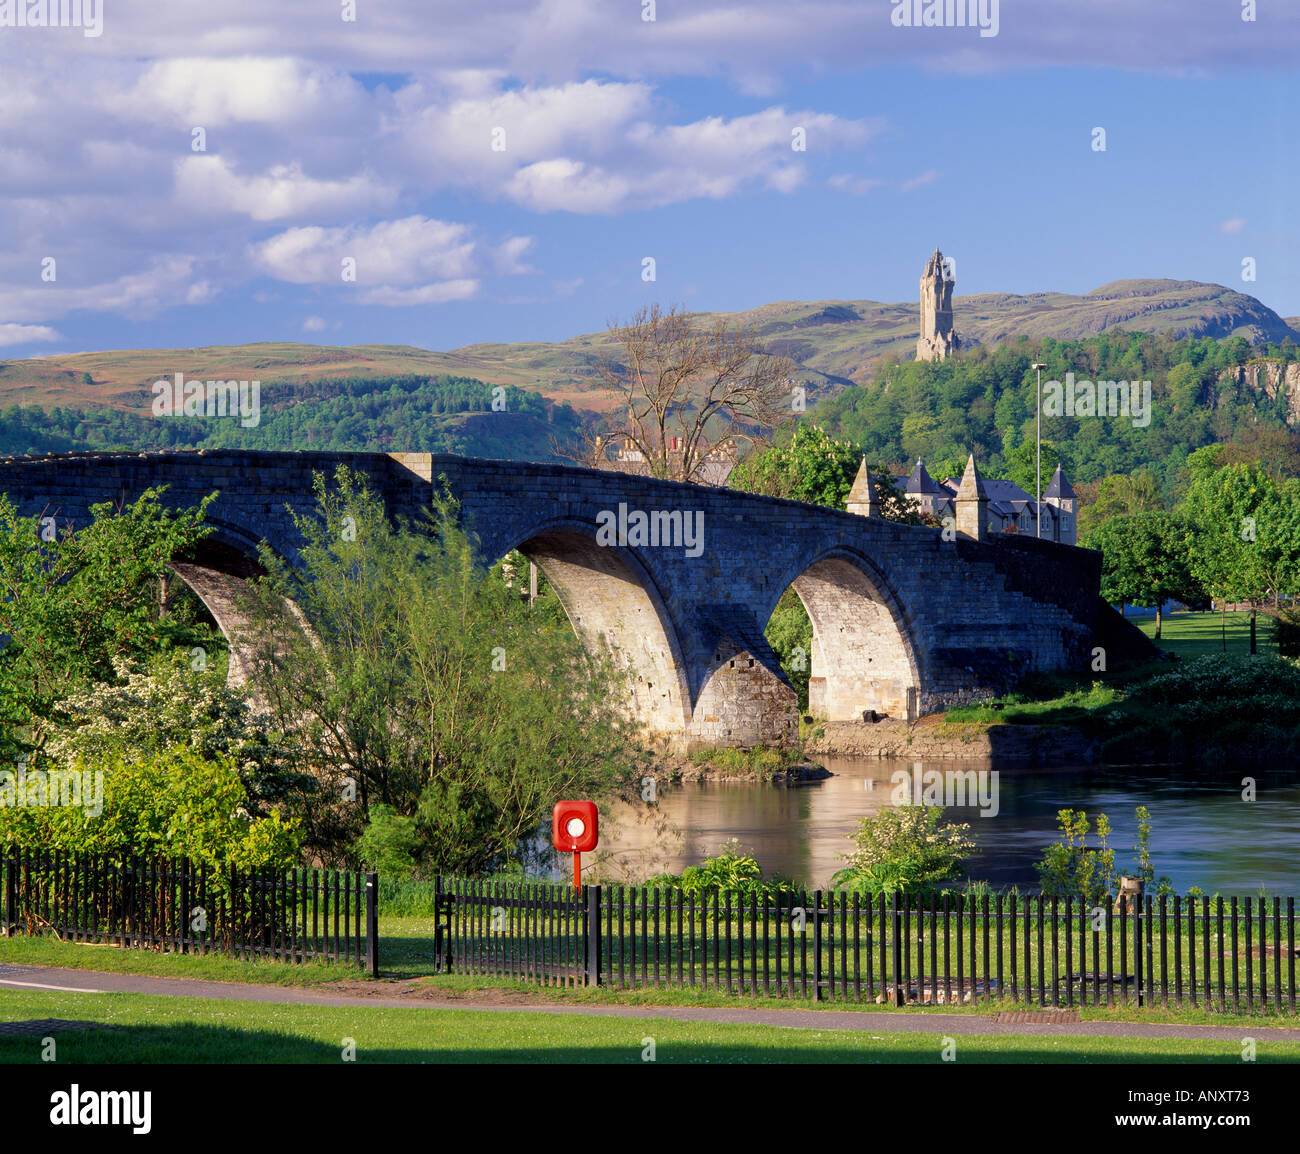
x: 938, y: 339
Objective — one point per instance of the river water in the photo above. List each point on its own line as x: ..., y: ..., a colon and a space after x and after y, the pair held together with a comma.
x: 1203, y: 832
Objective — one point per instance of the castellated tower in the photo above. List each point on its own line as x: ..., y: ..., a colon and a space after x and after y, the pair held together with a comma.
x: 937, y: 339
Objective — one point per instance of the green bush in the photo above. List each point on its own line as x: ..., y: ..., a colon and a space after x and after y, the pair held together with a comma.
x: 1286, y: 632
x: 175, y: 803
x: 904, y: 849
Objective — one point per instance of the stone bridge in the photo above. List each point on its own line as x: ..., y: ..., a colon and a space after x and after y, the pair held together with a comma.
x: 906, y: 620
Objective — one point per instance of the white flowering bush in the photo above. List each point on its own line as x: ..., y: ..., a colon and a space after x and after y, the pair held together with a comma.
x: 172, y: 706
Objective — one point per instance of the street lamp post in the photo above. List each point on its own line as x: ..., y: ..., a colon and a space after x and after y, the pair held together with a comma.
x: 1038, y: 493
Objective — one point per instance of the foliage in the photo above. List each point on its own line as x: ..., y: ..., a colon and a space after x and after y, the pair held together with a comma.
x: 984, y: 399
x: 73, y: 601
x: 1286, y: 632
x: 173, y: 705
x: 808, y: 466
x: 1145, y: 561
x: 1021, y: 465
x: 1072, y: 868
x: 403, y: 412
x: 731, y: 871
x: 1245, y: 540
x: 904, y: 849
x: 174, y: 803
x: 790, y: 633
x: 429, y: 684
x: 389, y: 843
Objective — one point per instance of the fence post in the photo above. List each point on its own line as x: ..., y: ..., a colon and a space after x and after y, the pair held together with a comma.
x: 10, y: 868
x: 437, y: 924
x: 372, y: 924
x: 897, y: 959
x: 593, y: 935
x: 817, y: 945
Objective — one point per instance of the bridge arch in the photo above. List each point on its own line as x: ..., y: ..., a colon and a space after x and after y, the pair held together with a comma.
x: 863, y: 655
x: 219, y: 570
x: 615, y: 606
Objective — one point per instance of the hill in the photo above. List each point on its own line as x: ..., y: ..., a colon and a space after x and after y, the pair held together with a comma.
x: 835, y: 344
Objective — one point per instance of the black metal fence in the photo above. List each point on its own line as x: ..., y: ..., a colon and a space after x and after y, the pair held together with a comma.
x: 1219, y: 954
x: 295, y: 915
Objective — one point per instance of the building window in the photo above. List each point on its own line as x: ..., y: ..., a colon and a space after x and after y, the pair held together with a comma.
x: 1065, y: 523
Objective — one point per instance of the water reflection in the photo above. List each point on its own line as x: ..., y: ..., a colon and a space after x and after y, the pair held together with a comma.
x: 1203, y: 833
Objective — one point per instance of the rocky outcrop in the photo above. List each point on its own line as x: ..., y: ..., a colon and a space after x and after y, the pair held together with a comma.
x: 1273, y: 380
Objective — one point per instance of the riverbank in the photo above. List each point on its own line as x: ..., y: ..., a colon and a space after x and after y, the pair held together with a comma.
x: 935, y: 739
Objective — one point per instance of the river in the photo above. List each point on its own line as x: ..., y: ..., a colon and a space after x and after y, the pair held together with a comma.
x: 1203, y: 832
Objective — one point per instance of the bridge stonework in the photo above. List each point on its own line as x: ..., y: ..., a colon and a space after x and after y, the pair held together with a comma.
x: 904, y: 619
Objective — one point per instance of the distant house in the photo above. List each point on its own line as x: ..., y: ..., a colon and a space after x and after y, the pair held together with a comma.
x: 618, y: 454
x: 1010, y: 508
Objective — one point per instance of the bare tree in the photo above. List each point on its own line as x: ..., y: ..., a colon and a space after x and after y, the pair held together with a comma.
x: 685, y: 386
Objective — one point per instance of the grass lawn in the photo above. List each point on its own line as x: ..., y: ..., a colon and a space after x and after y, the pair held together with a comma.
x: 1188, y: 635
x: 150, y: 1029
x: 406, y: 953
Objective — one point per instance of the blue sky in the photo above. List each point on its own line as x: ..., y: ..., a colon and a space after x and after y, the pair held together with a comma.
x: 372, y: 140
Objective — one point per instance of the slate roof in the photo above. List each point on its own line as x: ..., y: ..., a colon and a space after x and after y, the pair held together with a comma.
x: 1059, y: 486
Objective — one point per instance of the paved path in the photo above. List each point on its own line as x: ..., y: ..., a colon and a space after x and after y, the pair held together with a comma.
x: 49, y: 978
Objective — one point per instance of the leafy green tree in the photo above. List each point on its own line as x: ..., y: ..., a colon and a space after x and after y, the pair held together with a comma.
x: 1072, y: 868
x: 1144, y: 561
x: 1244, y: 538
x: 74, y: 601
x: 1022, y: 464
x: 1123, y: 495
x: 810, y: 466
x: 428, y: 684
x: 389, y: 843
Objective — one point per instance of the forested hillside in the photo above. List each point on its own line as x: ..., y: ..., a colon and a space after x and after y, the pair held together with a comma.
x: 984, y: 401
x: 388, y: 414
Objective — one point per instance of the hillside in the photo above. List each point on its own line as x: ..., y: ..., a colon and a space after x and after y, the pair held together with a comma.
x: 835, y: 343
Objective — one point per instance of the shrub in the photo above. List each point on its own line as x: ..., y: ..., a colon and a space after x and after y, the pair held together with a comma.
x: 904, y: 849
x: 1072, y: 868
x: 176, y: 803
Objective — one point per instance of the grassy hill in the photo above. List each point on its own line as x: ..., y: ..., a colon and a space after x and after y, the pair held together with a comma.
x: 835, y: 343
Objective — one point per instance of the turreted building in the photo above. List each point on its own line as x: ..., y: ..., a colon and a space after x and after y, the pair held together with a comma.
x: 1005, y: 506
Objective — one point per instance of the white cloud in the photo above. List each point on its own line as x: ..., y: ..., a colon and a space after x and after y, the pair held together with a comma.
x: 209, y: 185
x: 1232, y: 226
x: 25, y: 334
x: 314, y: 325
x: 188, y: 92
x: 414, y: 250
x: 853, y: 185
x: 169, y: 280
x: 927, y: 177
x: 430, y: 294
x: 507, y: 258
